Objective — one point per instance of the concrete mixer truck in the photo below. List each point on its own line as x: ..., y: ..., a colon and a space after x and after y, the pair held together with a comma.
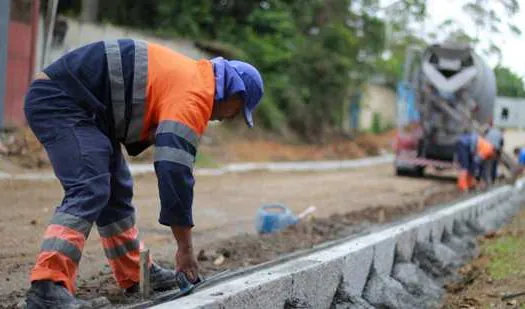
x: 447, y: 88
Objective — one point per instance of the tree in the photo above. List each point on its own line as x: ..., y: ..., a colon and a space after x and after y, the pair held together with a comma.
x: 508, y: 83
x: 484, y: 14
x: 312, y: 53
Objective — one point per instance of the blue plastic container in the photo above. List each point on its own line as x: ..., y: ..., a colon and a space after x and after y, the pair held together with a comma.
x: 273, y: 218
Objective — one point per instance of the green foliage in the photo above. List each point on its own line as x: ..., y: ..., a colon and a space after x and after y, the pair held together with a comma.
x: 393, y: 66
x: 312, y: 53
x: 508, y: 83
x: 488, y: 23
x: 376, y: 123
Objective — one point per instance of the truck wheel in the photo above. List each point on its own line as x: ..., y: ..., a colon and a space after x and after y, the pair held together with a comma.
x: 416, y: 171
x: 402, y: 171
x: 419, y: 171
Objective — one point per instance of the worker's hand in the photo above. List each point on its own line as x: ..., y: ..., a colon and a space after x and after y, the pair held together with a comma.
x: 186, y: 263
x: 184, y: 259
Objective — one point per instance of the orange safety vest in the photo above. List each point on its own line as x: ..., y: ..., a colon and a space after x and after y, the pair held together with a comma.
x: 484, y: 149
x: 171, y: 92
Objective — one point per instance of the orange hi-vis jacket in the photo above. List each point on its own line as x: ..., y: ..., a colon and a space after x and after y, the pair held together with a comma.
x: 136, y: 94
x: 143, y: 92
x: 483, y: 148
x: 472, y: 150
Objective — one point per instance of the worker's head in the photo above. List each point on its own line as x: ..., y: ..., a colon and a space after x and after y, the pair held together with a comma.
x: 238, y: 87
x: 517, y: 151
x: 227, y: 109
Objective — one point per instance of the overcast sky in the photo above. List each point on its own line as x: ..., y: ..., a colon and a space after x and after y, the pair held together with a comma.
x: 513, y: 48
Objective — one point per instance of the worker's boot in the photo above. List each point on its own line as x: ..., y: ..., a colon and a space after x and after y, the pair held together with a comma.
x: 46, y: 294
x: 463, y: 181
x: 160, y: 279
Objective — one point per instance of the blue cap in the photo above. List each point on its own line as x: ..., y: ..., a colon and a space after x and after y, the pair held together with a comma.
x: 244, y: 79
x: 254, y: 88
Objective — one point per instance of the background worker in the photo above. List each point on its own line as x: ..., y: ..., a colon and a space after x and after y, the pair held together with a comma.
x: 519, y: 152
x: 489, y: 168
x: 472, y: 152
x: 82, y: 108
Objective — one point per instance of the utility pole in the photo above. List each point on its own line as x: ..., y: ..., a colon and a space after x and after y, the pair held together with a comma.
x: 4, y: 38
x: 49, y: 25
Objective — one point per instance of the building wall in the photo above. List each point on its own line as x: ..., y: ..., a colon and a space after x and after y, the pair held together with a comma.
x: 4, y: 30
x: 381, y: 100
x: 26, y: 44
x: 19, y: 69
x: 20, y: 54
x: 509, y: 112
x: 80, y: 33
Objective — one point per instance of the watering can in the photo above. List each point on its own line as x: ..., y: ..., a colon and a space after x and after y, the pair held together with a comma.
x: 272, y: 218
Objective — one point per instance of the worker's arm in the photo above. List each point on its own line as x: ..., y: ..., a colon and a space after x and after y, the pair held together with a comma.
x: 182, y: 107
x: 175, y: 182
x: 175, y: 150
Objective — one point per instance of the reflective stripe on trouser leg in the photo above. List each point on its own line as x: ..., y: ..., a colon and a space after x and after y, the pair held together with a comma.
x: 61, y: 250
x: 122, y: 248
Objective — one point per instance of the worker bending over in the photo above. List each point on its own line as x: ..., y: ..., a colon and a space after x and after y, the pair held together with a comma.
x: 87, y: 104
x: 489, y: 168
x: 472, y: 152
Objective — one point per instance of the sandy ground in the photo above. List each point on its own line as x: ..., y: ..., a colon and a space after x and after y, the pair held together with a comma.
x: 224, y: 206
x: 514, y: 138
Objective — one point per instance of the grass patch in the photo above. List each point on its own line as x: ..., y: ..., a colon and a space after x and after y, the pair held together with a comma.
x: 506, y: 257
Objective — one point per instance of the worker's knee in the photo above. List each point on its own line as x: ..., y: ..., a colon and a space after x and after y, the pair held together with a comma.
x: 99, y: 189
x: 81, y: 157
x: 88, y: 198
x: 75, y: 159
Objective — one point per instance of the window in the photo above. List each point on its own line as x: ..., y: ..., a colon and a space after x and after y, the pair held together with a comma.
x: 504, y: 114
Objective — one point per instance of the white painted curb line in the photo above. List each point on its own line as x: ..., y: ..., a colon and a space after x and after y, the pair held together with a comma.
x: 139, y: 169
x: 315, y: 277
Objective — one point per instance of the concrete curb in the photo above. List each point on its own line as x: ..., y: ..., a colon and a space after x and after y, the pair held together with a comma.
x: 141, y: 168
x: 357, y: 267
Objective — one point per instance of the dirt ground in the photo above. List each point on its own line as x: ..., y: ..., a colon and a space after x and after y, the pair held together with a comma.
x: 498, y: 272
x: 20, y: 148
x: 225, y: 206
x: 224, y: 209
